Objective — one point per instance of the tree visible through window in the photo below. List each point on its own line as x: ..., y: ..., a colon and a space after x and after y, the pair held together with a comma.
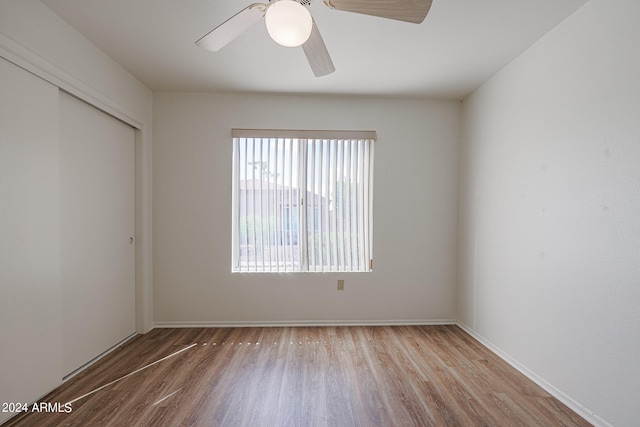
x: 302, y: 200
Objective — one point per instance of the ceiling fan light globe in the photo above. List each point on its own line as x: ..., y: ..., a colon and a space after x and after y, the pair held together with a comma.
x: 288, y: 23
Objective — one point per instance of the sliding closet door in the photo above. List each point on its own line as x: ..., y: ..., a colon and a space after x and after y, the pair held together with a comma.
x: 30, y: 351
x: 97, y: 210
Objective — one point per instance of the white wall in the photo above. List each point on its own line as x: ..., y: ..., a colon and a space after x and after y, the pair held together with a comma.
x: 414, y: 212
x: 549, y: 268
x: 36, y: 28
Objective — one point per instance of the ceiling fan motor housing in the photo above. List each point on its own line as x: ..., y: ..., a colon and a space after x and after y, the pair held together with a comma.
x: 288, y: 23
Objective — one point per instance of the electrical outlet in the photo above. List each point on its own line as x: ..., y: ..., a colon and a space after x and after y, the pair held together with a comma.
x: 341, y: 285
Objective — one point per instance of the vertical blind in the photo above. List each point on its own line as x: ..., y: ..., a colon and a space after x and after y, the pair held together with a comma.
x: 302, y: 200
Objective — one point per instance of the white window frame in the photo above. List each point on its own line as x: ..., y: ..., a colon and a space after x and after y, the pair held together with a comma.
x: 326, y: 142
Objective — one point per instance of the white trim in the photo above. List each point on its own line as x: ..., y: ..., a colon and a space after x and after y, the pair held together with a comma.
x: 144, y: 231
x: 302, y: 323
x: 40, y: 67
x: 574, y: 405
x: 111, y: 349
x: 28, y: 60
x: 303, y: 134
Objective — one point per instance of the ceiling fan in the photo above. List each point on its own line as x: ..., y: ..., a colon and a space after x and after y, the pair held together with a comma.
x: 290, y: 24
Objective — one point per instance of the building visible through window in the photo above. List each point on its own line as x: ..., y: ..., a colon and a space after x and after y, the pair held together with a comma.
x: 302, y: 200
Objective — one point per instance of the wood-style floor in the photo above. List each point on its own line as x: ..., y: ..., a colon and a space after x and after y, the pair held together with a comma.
x: 303, y: 376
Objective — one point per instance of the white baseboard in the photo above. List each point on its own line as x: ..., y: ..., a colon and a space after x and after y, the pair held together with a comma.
x: 575, y: 406
x: 292, y: 323
x: 98, y: 357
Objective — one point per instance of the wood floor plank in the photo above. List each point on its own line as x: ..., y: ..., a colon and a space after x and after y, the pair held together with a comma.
x: 303, y: 376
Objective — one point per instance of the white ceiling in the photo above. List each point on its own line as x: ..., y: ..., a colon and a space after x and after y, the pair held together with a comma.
x: 460, y: 45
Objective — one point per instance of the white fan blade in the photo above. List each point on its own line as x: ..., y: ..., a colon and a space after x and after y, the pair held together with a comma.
x: 401, y: 10
x: 220, y: 36
x: 317, y: 54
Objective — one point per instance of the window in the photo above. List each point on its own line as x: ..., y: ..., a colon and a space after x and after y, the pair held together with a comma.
x: 302, y: 200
